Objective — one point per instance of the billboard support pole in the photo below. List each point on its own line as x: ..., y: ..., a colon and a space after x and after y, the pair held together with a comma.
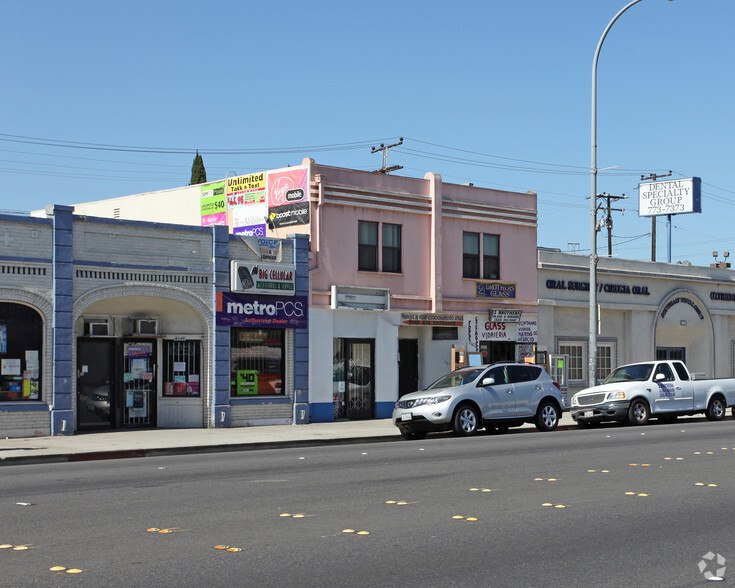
x: 655, y: 177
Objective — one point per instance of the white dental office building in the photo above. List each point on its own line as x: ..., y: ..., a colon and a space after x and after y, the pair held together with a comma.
x: 647, y: 310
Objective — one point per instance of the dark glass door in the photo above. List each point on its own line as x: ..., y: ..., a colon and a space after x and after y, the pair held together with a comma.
x: 495, y: 351
x: 95, y: 383
x: 408, y: 366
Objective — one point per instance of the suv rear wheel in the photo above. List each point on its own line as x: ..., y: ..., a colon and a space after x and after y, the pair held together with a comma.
x: 547, y: 416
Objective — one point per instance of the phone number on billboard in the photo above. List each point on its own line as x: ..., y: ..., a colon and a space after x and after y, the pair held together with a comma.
x: 670, y: 209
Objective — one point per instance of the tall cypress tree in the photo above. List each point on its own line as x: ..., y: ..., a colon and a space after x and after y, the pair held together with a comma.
x: 198, y: 173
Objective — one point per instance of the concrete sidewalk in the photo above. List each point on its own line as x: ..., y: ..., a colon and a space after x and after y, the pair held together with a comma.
x: 153, y: 442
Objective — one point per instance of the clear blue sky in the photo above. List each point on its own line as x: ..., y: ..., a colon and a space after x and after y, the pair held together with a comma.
x: 108, y: 99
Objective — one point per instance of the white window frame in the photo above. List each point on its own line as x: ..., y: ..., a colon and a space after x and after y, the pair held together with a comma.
x: 610, y: 344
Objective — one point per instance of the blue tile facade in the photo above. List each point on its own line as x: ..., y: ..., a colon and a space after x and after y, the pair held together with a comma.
x: 120, y: 258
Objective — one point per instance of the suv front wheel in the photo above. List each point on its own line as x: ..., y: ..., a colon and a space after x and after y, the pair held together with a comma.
x: 466, y: 421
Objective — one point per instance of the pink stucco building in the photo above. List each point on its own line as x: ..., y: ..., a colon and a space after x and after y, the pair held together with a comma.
x: 403, y: 271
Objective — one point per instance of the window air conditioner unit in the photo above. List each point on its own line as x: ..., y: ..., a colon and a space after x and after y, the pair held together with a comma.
x: 146, y: 327
x: 98, y: 329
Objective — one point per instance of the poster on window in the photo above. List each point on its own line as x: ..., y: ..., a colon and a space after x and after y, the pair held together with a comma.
x: 10, y: 367
x: 138, y: 350
x: 3, y: 338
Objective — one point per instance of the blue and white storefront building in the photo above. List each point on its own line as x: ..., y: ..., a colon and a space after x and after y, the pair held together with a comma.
x: 110, y: 324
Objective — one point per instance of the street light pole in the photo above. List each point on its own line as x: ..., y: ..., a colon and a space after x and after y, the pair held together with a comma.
x: 592, y: 350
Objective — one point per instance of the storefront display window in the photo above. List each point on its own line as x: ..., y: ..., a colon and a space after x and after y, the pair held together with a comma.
x: 182, y: 368
x: 256, y: 362
x: 20, y: 352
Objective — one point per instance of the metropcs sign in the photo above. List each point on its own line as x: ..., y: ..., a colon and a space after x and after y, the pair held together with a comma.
x: 670, y: 197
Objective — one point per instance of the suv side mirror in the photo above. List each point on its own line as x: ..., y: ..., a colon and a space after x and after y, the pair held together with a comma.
x: 489, y: 381
x: 658, y: 377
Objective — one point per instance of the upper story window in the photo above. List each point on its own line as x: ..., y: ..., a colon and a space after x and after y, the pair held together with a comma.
x: 491, y: 257
x: 372, y: 258
x: 472, y: 253
x: 391, y: 248
x: 367, y: 246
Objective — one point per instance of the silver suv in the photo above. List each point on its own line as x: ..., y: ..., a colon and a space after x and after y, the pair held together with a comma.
x: 494, y: 396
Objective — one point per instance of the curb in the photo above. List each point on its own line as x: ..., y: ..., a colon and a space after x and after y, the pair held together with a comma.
x: 188, y: 450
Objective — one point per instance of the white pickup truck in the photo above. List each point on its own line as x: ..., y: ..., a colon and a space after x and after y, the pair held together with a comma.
x: 659, y: 389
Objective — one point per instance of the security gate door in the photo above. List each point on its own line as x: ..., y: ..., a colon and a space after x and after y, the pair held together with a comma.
x: 139, y: 383
x: 354, y: 367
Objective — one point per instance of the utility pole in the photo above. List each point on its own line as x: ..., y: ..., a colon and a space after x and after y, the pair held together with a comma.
x: 609, y: 220
x: 654, y: 177
x: 385, y: 148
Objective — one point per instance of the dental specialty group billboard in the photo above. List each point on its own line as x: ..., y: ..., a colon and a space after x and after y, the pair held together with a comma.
x: 670, y: 197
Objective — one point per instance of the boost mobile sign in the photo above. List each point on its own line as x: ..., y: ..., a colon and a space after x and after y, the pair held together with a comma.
x: 670, y: 197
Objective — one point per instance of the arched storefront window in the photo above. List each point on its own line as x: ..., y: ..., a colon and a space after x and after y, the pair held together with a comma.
x: 21, y: 336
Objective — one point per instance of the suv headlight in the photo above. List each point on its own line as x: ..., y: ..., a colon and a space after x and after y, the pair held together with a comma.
x: 430, y: 400
x: 615, y: 396
x: 575, y: 402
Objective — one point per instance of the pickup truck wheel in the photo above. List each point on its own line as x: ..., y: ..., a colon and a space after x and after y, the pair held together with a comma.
x: 716, y: 409
x: 547, y: 416
x: 466, y: 421
x: 413, y: 435
x: 638, y: 413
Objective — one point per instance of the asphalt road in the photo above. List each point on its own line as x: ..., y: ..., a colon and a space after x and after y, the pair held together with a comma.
x: 613, y: 506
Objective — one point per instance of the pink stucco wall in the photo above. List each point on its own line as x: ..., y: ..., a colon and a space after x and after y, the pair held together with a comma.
x: 348, y: 196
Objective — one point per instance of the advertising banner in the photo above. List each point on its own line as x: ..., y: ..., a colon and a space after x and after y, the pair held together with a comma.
x: 262, y: 278
x: 213, y: 204
x: 250, y: 220
x: 431, y: 319
x: 504, y: 315
x: 528, y: 331
x: 246, y: 202
x: 496, y: 290
x: 249, y: 189
x: 261, y: 311
x: 288, y: 196
x: 267, y: 249
x: 670, y: 197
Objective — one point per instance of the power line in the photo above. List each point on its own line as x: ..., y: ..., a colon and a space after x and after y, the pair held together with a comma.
x: 177, y: 150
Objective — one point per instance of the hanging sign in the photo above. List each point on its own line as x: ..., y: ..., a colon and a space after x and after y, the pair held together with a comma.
x: 504, y: 315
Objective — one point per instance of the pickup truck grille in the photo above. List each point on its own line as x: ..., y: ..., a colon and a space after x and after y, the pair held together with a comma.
x: 591, y: 399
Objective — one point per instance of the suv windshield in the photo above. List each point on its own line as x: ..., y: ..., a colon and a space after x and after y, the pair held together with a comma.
x: 457, y: 378
x: 639, y: 373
